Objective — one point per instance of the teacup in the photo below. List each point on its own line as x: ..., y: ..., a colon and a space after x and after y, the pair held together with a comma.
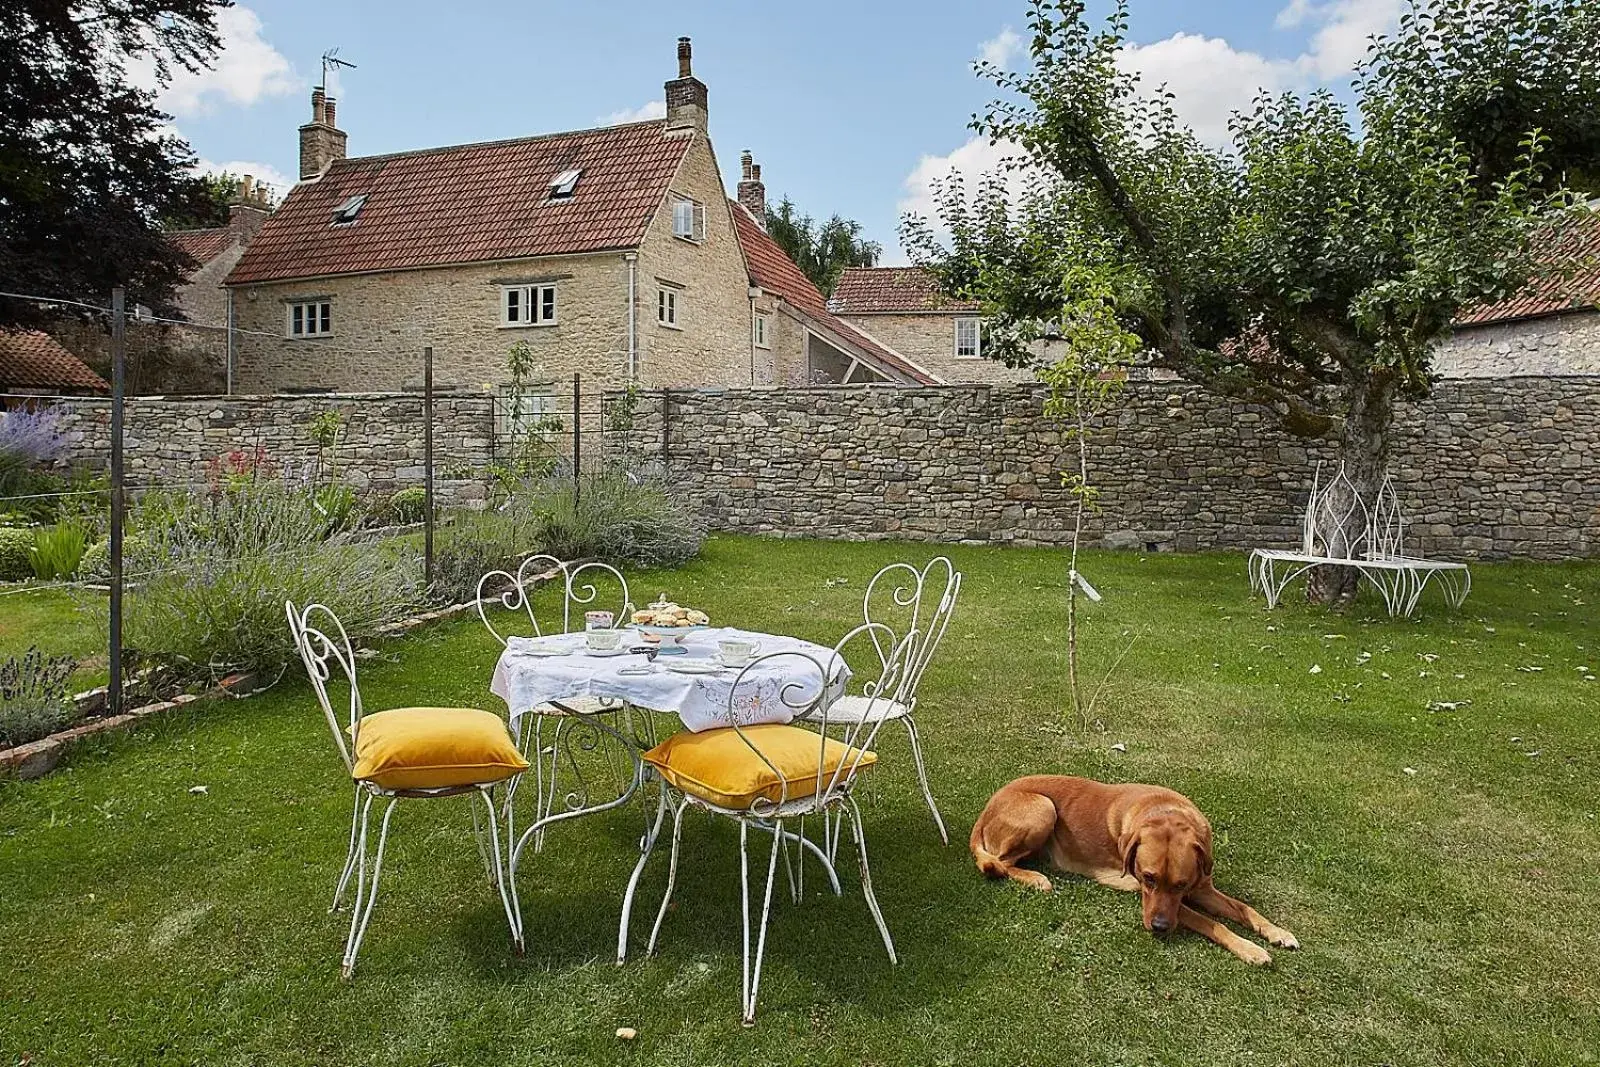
x: 737, y: 651
x: 598, y: 620
x: 603, y: 640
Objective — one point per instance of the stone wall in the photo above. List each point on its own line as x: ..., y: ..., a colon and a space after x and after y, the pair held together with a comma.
x: 1484, y: 468
x: 171, y: 440
x: 1555, y: 345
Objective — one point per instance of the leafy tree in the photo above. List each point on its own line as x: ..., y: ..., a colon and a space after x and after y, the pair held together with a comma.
x: 1490, y: 71
x: 1311, y: 269
x: 87, y: 164
x: 822, y: 250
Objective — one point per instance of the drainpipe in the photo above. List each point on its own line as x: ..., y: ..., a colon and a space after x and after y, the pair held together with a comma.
x: 231, y: 324
x: 632, y: 259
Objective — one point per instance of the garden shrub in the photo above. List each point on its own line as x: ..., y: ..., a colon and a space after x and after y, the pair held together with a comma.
x: 223, y: 564
x: 616, y: 515
x: 28, y: 441
x: 16, y: 554
x: 35, y: 696
x: 409, y: 505
x: 475, y: 543
x: 338, y: 507
x: 96, y: 565
x: 58, y: 550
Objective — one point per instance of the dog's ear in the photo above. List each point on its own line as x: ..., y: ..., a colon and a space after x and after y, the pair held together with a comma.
x: 1204, y: 852
x: 1130, y: 851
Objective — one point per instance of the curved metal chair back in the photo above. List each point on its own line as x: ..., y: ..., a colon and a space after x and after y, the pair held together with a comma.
x: 806, y: 694
x: 906, y: 595
x: 1386, y: 536
x: 517, y: 595
x: 1337, y: 509
x: 321, y: 640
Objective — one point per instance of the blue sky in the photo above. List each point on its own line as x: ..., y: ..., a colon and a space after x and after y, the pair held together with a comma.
x: 850, y: 107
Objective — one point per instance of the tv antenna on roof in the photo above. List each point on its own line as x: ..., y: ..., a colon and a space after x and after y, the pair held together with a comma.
x: 331, y: 61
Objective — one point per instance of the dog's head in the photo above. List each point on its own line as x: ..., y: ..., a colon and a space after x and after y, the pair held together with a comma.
x: 1169, y: 853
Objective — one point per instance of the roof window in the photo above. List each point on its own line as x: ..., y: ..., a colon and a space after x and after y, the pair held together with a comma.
x: 562, y: 184
x: 346, y: 212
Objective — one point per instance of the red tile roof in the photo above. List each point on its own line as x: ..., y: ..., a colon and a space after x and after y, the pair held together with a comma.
x: 1572, y: 244
x: 771, y: 268
x: 883, y: 290
x: 202, y: 245
x: 33, y: 360
x: 470, y: 203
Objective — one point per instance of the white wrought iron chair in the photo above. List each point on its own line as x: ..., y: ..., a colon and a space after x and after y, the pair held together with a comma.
x: 323, y: 644
x: 815, y: 789
x: 514, y: 592
x: 900, y: 593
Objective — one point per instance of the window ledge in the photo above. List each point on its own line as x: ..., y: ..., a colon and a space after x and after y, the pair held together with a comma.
x: 689, y: 240
x: 526, y: 325
x: 669, y: 326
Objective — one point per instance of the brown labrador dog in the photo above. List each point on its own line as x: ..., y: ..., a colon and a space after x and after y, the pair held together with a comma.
x: 1133, y: 837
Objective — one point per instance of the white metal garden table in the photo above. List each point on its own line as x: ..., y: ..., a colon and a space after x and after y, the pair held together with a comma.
x: 538, y: 670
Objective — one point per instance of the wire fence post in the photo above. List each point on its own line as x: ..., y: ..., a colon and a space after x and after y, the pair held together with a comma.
x: 118, y: 361
x: 427, y: 465
x: 577, y: 435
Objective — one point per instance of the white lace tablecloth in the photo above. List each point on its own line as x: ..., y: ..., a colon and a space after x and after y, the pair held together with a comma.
x: 525, y: 681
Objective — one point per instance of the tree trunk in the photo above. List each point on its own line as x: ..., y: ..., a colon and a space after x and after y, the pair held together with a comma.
x: 1364, y: 454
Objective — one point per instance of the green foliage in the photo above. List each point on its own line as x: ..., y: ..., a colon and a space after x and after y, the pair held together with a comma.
x: 409, y: 505
x: 338, y: 506
x: 475, y: 543
x: 206, y: 203
x: 222, y: 565
x: 1311, y: 269
x: 16, y: 553
x: 58, y: 550
x: 35, y: 696
x: 821, y: 250
x: 615, y: 515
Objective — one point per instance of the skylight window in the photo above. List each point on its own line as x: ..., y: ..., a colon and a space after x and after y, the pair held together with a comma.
x: 346, y: 212
x: 562, y: 184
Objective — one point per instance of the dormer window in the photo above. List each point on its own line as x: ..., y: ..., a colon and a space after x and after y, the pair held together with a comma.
x: 346, y: 212
x: 688, y: 219
x: 562, y: 184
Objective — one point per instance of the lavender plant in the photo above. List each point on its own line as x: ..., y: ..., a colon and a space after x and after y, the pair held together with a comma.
x: 34, y: 691
x: 28, y: 440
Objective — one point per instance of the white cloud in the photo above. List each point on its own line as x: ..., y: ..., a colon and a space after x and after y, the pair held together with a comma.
x: 1341, y: 39
x: 1208, y: 78
x: 999, y: 49
x: 975, y: 158
x: 653, y: 109
x: 248, y: 69
x: 264, y: 174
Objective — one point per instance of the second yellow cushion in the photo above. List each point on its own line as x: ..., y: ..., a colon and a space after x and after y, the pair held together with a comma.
x: 718, y: 765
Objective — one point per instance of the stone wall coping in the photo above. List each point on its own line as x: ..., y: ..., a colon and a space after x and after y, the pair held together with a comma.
x: 213, y: 399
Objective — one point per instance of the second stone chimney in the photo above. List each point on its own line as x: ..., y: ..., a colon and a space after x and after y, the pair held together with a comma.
x: 686, y: 94
x: 321, y: 143
x: 752, y: 194
x: 249, y: 209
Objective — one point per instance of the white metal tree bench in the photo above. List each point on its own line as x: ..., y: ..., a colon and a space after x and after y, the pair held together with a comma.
x: 1340, y: 530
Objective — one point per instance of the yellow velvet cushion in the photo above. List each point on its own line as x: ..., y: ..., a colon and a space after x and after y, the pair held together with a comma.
x: 718, y: 766
x: 434, y: 748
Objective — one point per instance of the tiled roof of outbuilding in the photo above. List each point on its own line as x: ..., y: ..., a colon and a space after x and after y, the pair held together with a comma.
x: 33, y: 360
x: 471, y: 203
x: 202, y: 245
x: 886, y: 290
x: 1573, y: 244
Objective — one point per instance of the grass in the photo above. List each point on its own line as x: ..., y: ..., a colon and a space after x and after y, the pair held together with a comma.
x: 1435, y: 861
x: 62, y: 622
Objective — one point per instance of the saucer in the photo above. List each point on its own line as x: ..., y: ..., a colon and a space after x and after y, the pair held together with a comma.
x: 695, y: 666
x: 540, y: 651
x: 606, y: 653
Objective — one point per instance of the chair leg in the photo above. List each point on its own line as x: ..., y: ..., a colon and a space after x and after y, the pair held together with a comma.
x: 363, y: 910
x: 752, y: 972
x: 504, y: 880
x: 645, y: 848
x: 866, y: 878
x: 350, y: 853
x: 922, y: 776
x: 672, y: 875
x: 483, y: 847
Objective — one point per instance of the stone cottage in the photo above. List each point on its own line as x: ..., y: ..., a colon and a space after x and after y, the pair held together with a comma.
x: 902, y: 307
x: 613, y: 252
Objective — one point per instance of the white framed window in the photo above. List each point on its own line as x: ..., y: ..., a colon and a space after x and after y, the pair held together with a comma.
x: 969, y: 339
x: 309, y: 318
x: 759, y: 330
x: 688, y: 219
x: 528, y: 305
x: 667, y: 307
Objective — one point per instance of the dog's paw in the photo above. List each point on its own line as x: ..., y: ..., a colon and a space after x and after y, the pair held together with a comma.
x: 1035, y: 880
x: 1254, y: 954
x: 1280, y: 937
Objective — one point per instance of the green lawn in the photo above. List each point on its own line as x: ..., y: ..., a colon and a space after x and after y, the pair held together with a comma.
x: 61, y: 622
x: 1437, y: 863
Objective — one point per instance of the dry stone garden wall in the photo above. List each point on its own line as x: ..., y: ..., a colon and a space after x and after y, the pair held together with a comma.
x: 1485, y: 468
x: 171, y: 440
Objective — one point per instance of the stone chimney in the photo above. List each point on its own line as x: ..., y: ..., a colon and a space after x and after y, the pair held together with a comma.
x: 686, y: 94
x: 752, y: 194
x: 320, y: 142
x: 249, y: 208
